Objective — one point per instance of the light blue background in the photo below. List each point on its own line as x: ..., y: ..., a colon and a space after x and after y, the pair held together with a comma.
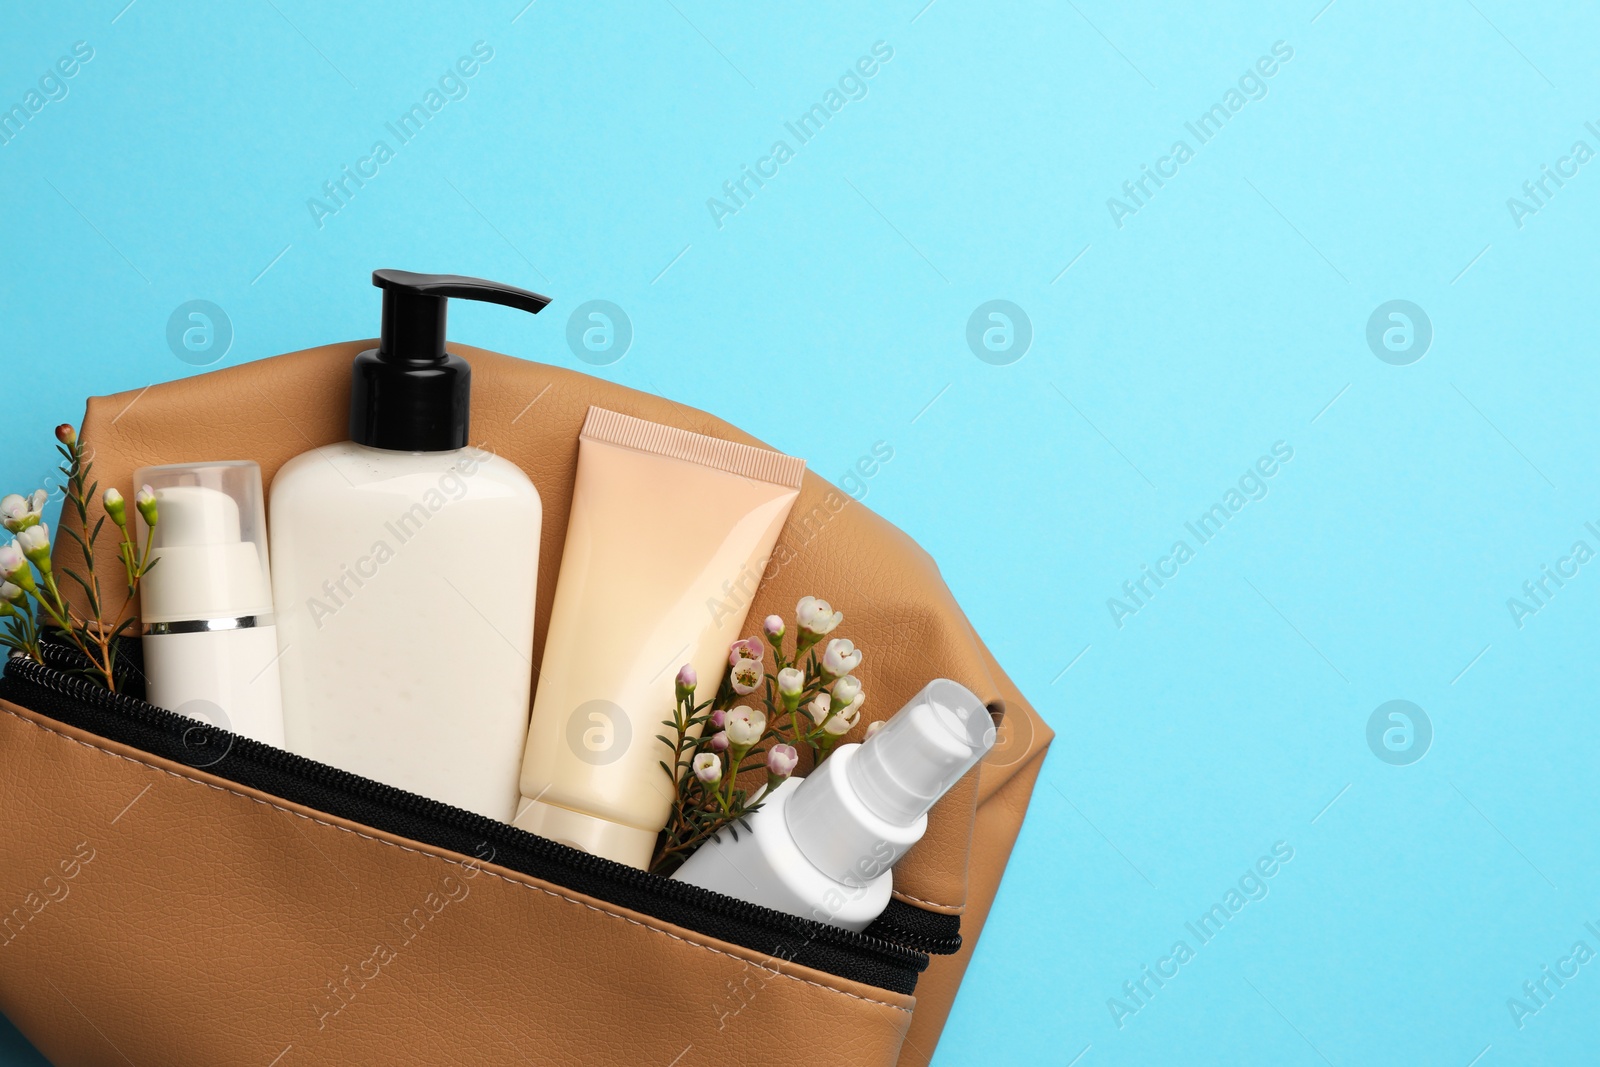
x: 830, y: 313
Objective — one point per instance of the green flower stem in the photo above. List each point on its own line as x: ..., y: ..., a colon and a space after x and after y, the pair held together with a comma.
x: 736, y: 754
x: 49, y: 604
x: 55, y: 593
x: 24, y: 633
x: 125, y: 549
x: 61, y: 614
x: 144, y: 560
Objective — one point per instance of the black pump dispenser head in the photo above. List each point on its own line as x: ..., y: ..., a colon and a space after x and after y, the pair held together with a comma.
x: 409, y: 394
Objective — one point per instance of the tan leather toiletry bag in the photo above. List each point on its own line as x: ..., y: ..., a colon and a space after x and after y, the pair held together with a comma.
x: 171, y: 894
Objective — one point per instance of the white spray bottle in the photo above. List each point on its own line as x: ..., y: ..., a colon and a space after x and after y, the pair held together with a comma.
x: 822, y: 847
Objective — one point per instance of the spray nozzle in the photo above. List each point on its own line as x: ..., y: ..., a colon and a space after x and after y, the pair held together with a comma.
x: 409, y: 394
x: 858, y: 812
x: 903, y: 769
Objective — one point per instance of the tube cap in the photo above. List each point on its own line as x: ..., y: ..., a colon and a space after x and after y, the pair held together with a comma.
x: 587, y: 833
x: 903, y: 769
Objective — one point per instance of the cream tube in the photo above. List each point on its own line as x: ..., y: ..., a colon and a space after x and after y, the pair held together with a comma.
x: 669, y: 533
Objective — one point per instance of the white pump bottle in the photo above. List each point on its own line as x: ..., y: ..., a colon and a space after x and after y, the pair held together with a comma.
x: 405, y: 562
x: 822, y: 847
x: 210, y: 647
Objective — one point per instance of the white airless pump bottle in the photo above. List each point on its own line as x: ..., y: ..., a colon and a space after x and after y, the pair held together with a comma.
x: 210, y: 646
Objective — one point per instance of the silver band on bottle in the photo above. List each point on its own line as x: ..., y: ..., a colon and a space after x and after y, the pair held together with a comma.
x: 200, y: 626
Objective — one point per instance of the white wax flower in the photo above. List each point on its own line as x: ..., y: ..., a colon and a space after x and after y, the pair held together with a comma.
x: 840, y: 657
x: 35, y: 542
x: 745, y: 726
x: 17, y: 513
x: 843, y: 721
x: 817, y: 616
x: 846, y: 689
x: 746, y: 676
x: 708, y: 768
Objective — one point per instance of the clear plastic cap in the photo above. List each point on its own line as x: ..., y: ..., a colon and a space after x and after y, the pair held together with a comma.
x: 902, y: 770
x: 210, y: 543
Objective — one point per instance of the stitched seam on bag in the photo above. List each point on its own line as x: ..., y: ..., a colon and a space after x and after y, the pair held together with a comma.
x: 930, y: 903
x: 419, y: 852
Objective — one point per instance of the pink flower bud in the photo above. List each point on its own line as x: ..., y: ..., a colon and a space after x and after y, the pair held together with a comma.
x: 718, y: 718
x: 773, y: 626
x: 719, y: 741
x: 782, y: 760
x: 687, y: 680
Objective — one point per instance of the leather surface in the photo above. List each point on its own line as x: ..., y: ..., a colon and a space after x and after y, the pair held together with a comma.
x: 896, y: 606
x: 211, y: 924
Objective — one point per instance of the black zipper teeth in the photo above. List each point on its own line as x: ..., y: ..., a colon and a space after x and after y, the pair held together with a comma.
x: 891, y: 961
x: 918, y: 928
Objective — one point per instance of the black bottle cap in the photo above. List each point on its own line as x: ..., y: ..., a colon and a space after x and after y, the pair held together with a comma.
x: 409, y: 394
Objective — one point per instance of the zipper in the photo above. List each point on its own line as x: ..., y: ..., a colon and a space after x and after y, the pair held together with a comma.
x: 890, y: 954
x: 918, y: 928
